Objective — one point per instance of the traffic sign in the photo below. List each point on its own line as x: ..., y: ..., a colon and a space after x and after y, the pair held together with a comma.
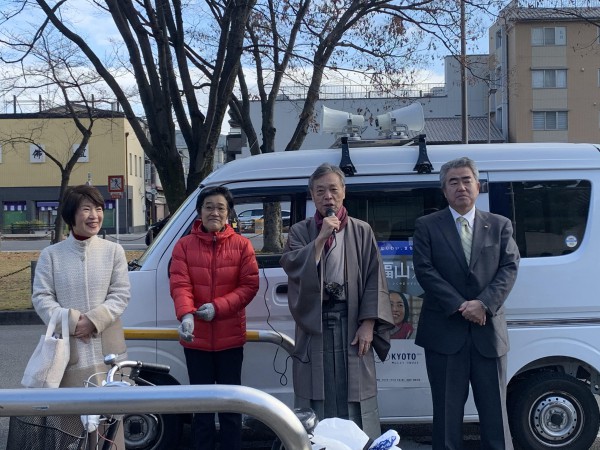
x: 115, y: 195
x: 116, y: 183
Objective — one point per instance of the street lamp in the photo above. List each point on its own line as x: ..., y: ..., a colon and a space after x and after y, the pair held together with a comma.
x: 491, y: 92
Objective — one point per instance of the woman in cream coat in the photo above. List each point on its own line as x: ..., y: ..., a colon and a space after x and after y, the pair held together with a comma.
x: 87, y: 275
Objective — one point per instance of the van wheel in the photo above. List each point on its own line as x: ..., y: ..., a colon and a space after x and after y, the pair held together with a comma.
x: 152, y: 431
x: 553, y: 411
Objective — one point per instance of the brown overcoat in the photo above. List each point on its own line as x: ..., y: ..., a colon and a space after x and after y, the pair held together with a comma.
x: 368, y: 298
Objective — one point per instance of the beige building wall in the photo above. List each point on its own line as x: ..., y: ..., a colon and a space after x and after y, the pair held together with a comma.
x: 584, y: 83
x: 113, y: 149
x: 135, y: 177
x: 580, y: 57
x: 105, y: 155
x: 519, y: 85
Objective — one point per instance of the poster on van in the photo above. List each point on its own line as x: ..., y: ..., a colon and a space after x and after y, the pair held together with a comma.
x: 405, y: 364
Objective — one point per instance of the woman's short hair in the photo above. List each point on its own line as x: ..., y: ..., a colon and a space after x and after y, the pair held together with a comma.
x: 325, y: 169
x: 209, y: 192
x: 73, y: 198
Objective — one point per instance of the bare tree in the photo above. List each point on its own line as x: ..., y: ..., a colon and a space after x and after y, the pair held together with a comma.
x: 55, y: 69
x: 385, y: 41
x: 171, y: 75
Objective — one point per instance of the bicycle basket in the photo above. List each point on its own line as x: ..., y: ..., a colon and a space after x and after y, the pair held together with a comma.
x: 44, y: 433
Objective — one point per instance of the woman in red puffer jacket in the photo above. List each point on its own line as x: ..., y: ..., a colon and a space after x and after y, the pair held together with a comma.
x: 213, y: 276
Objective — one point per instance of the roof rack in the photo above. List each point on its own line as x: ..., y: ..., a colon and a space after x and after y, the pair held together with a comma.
x: 423, y: 164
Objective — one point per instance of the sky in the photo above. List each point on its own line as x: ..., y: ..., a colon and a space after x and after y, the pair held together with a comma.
x: 100, y: 34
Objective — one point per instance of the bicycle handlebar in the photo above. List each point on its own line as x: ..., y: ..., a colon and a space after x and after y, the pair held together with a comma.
x: 152, y: 367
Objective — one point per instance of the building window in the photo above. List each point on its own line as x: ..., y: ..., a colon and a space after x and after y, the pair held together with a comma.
x: 498, y: 39
x: 135, y: 164
x: 130, y: 168
x: 548, y: 36
x: 0, y: 154
x: 36, y: 154
x: 549, y: 78
x: 83, y: 158
x: 14, y: 212
x: 550, y: 120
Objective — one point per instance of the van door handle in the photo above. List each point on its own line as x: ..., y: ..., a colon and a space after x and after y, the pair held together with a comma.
x: 280, y: 297
x: 281, y: 289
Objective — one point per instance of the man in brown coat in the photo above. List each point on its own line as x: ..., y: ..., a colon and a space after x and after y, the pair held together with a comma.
x: 338, y: 297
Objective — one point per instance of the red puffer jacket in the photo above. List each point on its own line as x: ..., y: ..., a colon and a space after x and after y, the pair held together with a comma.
x: 218, y: 268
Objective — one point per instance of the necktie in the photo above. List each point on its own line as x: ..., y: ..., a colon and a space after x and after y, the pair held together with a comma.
x: 466, y: 237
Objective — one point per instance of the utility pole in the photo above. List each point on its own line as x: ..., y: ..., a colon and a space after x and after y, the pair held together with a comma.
x: 463, y: 74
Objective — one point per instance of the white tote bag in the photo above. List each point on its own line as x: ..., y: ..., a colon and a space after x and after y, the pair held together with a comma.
x: 49, y: 360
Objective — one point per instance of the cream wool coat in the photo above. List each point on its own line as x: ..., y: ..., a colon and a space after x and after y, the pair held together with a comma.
x: 87, y: 277
x: 368, y: 298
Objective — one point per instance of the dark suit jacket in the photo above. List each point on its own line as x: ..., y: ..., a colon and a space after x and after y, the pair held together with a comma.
x: 442, y: 271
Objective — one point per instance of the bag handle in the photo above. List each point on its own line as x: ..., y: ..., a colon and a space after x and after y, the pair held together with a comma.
x: 58, y: 314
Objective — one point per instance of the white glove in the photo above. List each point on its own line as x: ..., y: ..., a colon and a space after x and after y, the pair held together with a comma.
x: 206, y: 312
x: 186, y: 329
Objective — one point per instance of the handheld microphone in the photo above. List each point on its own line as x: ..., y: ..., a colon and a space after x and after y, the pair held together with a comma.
x: 329, y: 212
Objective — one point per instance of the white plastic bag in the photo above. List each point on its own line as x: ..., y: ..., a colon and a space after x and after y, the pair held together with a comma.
x: 320, y: 443
x: 339, y: 434
x: 387, y: 441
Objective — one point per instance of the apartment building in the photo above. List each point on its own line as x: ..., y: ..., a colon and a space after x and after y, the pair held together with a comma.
x: 545, y: 74
x: 30, y: 179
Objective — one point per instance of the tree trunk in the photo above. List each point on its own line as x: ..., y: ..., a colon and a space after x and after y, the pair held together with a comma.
x: 59, y: 224
x: 273, y: 239
x: 309, y: 105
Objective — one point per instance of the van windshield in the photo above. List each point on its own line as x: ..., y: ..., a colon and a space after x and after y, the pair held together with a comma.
x: 175, y: 220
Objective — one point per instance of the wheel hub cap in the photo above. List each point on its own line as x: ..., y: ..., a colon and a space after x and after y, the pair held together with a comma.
x: 555, y: 418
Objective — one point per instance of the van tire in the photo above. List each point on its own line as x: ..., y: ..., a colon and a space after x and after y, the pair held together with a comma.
x: 159, y: 431
x: 153, y: 431
x: 553, y: 411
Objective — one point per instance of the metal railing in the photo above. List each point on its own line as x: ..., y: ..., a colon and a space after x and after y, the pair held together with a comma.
x: 170, y: 334
x: 159, y: 399
x: 355, y: 91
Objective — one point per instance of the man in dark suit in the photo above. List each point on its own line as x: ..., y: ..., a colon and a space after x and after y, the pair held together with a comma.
x: 466, y: 261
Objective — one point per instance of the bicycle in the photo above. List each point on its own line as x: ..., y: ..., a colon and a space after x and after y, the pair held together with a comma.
x: 67, y: 432
x: 126, y: 378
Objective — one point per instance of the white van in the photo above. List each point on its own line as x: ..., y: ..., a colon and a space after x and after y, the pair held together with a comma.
x: 549, y: 191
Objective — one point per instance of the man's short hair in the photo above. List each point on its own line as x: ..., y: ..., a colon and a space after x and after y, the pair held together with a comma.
x: 325, y: 169
x: 456, y: 164
x: 73, y: 198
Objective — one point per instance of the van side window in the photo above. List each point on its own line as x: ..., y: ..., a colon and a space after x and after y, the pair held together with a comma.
x: 265, y: 219
x: 391, y: 210
x: 549, y: 217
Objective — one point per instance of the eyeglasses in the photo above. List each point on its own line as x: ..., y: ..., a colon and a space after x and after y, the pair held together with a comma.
x: 211, y: 209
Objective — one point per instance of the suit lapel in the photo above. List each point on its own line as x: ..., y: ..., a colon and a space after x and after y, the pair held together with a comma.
x: 480, y: 229
x: 448, y: 230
